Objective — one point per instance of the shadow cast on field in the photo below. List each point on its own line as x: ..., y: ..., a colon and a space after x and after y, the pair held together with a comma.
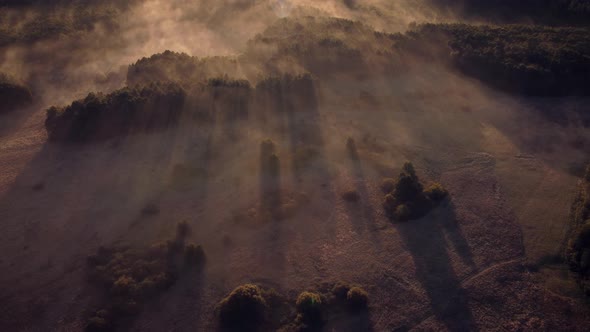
x: 271, y: 205
x: 426, y: 239
x: 297, y: 111
x: 360, y: 212
x: 351, y: 322
x: 181, y: 304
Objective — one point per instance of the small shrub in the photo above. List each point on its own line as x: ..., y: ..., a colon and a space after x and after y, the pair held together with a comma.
x: 387, y: 185
x: 309, y: 307
x: 351, y: 196
x: 436, y: 192
x: 340, y: 290
x: 357, y: 298
x: 125, y: 286
x: 244, y: 308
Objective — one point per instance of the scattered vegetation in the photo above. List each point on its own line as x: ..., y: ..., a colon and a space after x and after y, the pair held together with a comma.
x: 131, y: 277
x: 578, y: 250
x: 252, y: 308
x: 122, y: 112
x: 13, y: 94
x: 407, y: 199
x: 338, y: 306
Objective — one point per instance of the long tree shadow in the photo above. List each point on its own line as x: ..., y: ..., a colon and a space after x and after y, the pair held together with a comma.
x: 230, y: 107
x: 364, y: 217
x: 296, y: 108
x: 270, y: 210
x: 425, y: 239
x: 350, y: 322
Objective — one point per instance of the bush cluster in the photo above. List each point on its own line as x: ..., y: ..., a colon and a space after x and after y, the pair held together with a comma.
x: 133, y: 276
x: 245, y: 308
x: 406, y: 198
x: 354, y: 298
x: 251, y: 308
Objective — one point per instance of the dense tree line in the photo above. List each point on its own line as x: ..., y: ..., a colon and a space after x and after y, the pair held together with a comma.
x: 131, y: 277
x: 528, y: 59
x: 157, y: 105
x: 534, y: 60
x: 119, y: 113
x: 553, y: 12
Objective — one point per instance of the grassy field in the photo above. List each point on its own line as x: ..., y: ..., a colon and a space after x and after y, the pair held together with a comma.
x: 274, y: 155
